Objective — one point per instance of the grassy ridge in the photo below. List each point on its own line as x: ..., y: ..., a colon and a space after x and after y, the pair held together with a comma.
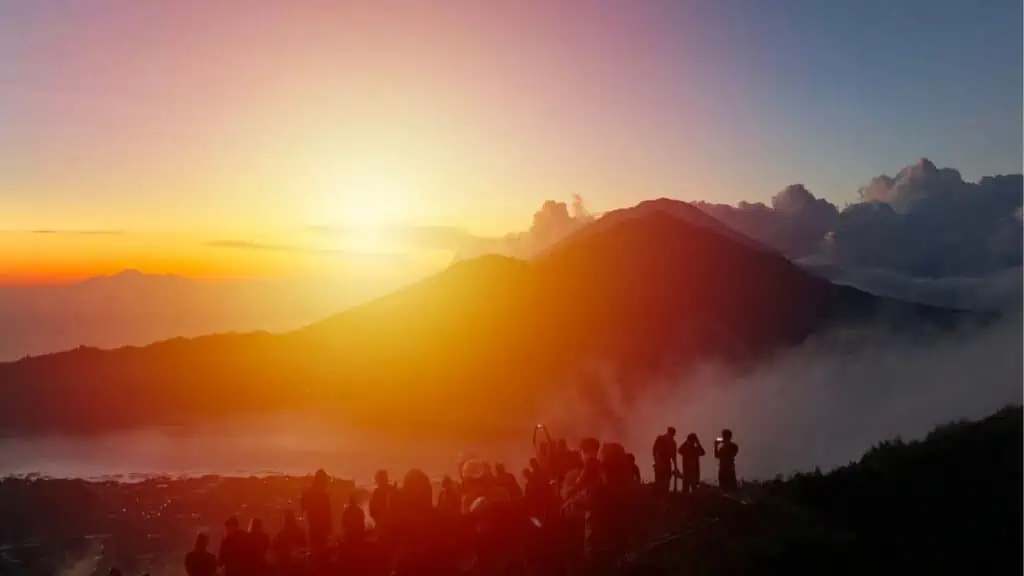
x: 948, y: 504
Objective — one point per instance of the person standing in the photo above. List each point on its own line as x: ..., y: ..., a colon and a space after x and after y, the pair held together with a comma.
x: 258, y: 546
x: 316, y: 504
x: 665, y: 462
x: 353, y: 521
x: 726, y: 451
x: 234, y: 548
x: 691, y: 452
x: 200, y: 561
x: 289, y: 543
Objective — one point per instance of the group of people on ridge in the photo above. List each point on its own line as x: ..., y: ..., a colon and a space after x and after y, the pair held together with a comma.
x: 666, y: 461
x: 575, y: 511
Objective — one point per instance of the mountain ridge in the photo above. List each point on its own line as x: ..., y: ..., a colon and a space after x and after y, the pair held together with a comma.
x: 650, y: 296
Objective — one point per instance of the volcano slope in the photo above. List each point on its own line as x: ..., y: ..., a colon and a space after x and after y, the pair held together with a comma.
x: 475, y: 349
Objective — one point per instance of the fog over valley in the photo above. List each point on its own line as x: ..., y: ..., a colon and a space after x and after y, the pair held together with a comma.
x: 821, y: 404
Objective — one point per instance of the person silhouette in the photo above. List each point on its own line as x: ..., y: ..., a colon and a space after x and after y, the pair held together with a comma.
x: 382, y: 500
x: 691, y: 452
x: 665, y: 463
x: 634, y: 469
x: 200, y: 561
x: 234, y: 549
x: 289, y: 541
x: 316, y: 503
x: 258, y: 546
x: 726, y: 451
x: 508, y: 481
x: 449, y: 501
x: 353, y: 521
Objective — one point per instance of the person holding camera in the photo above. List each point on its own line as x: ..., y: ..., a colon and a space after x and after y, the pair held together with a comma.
x: 725, y: 452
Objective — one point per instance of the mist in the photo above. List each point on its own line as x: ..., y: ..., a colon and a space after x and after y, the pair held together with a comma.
x: 821, y: 404
x: 288, y: 444
x: 826, y: 402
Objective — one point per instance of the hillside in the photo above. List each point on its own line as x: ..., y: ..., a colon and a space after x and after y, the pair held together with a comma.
x: 948, y: 504
x: 474, y: 348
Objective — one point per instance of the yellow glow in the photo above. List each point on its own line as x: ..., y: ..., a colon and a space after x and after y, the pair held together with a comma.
x: 368, y: 238
x: 371, y: 192
x: 373, y: 189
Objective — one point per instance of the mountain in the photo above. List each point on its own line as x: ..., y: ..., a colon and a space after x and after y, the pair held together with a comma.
x: 475, y: 349
x: 134, y: 308
x: 683, y: 211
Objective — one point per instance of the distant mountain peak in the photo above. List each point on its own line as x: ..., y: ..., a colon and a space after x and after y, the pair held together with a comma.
x: 132, y: 275
x: 679, y: 210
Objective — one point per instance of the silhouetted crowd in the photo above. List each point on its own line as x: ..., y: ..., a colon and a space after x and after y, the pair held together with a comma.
x: 576, y: 512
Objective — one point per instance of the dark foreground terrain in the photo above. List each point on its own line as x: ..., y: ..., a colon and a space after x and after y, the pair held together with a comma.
x: 948, y: 504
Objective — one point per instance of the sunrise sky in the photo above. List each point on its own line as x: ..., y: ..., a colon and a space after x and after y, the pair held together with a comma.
x: 208, y: 138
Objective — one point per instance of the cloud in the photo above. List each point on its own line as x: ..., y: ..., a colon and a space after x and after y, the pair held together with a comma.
x: 823, y: 403
x: 250, y: 245
x: 795, y: 224
x: 81, y: 232
x: 415, y: 236
x: 552, y: 222
x: 303, y: 250
x: 923, y: 222
x: 1000, y: 291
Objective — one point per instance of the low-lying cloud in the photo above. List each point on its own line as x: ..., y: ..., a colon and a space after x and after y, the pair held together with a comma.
x: 821, y: 404
x: 1002, y: 290
x: 824, y: 403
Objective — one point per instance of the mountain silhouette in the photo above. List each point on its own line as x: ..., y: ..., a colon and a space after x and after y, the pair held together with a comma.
x: 683, y: 211
x: 647, y: 293
x: 136, y: 308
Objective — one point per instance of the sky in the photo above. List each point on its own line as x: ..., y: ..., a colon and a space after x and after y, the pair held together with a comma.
x: 176, y: 136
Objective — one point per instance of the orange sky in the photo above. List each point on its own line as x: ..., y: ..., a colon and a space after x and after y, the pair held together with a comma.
x: 56, y: 257
x: 189, y: 121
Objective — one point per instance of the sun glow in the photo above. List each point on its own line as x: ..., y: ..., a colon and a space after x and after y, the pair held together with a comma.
x: 370, y: 201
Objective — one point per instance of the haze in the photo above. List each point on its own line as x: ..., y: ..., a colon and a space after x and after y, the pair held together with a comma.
x: 820, y: 405
x: 181, y: 168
